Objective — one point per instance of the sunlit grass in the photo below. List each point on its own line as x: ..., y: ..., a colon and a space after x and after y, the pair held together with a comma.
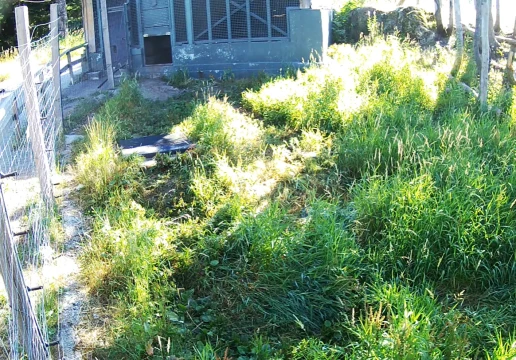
x: 360, y: 209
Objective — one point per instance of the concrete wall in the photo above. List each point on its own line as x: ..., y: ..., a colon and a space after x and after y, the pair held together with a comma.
x: 309, y: 35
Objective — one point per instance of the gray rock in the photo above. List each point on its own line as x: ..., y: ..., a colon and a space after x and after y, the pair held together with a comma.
x: 409, y: 22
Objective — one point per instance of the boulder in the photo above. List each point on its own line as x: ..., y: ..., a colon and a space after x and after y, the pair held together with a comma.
x: 409, y: 22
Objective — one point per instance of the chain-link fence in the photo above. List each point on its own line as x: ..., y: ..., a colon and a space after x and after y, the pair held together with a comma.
x: 30, y: 126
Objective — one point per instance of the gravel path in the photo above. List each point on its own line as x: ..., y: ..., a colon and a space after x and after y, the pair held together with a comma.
x: 74, y: 296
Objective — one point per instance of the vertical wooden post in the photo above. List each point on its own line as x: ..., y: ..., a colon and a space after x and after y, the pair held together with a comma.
x: 107, y: 44
x: 70, y: 66
x: 89, y: 24
x: 56, y: 65
x: 484, y: 73
x: 189, y: 21
x: 34, y: 129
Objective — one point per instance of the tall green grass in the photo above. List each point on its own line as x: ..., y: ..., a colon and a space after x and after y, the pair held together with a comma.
x: 358, y: 210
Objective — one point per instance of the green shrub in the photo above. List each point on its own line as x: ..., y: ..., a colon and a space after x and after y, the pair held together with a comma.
x: 341, y: 19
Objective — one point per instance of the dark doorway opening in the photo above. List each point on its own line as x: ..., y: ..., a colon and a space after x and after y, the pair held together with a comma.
x: 158, y: 50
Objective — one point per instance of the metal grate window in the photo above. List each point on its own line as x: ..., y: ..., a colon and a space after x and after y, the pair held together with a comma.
x: 180, y: 21
x: 227, y: 20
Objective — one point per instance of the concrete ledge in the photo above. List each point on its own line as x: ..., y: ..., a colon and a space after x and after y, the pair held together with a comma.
x: 205, y: 71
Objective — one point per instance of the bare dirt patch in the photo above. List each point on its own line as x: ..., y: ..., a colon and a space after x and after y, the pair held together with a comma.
x: 157, y: 89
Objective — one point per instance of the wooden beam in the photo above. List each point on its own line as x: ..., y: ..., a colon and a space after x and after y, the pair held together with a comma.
x: 89, y: 24
x: 499, y: 38
x: 107, y: 44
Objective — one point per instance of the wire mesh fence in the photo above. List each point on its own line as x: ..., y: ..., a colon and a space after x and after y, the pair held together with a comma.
x: 233, y: 20
x: 30, y: 127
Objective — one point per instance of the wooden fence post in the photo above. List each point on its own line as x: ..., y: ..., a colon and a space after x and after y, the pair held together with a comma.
x: 107, y: 44
x: 56, y: 65
x: 34, y: 129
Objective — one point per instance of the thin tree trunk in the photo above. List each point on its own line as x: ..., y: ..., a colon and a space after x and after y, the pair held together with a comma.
x: 492, y: 36
x: 510, y: 60
x: 460, y: 39
x: 439, y: 18
x: 63, y: 19
x: 449, y: 30
x: 497, y: 27
x: 484, y: 74
x: 476, y: 37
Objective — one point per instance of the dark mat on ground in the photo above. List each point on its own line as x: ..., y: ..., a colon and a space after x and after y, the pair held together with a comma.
x: 149, y: 146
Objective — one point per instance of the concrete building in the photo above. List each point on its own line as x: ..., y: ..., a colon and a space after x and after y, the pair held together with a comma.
x: 206, y: 37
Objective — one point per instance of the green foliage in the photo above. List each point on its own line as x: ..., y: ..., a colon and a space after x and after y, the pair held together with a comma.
x: 180, y: 79
x: 341, y: 19
x: 405, y: 324
x: 128, y: 112
x: 505, y: 349
x: 313, y: 349
x: 83, y: 112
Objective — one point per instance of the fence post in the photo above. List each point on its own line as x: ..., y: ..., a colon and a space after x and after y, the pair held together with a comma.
x: 56, y: 65
x: 107, y: 44
x: 33, y: 111
x: 189, y: 22
x: 70, y: 66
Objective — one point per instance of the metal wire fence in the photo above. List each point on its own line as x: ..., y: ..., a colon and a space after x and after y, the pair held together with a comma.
x: 30, y: 126
x: 226, y: 20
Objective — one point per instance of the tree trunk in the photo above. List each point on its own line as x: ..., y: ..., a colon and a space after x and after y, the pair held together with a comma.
x: 484, y: 74
x: 476, y: 36
x: 460, y: 39
x: 439, y: 18
x: 497, y: 27
x: 63, y: 19
x: 510, y: 60
x: 492, y: 36
x: 449, y: 30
